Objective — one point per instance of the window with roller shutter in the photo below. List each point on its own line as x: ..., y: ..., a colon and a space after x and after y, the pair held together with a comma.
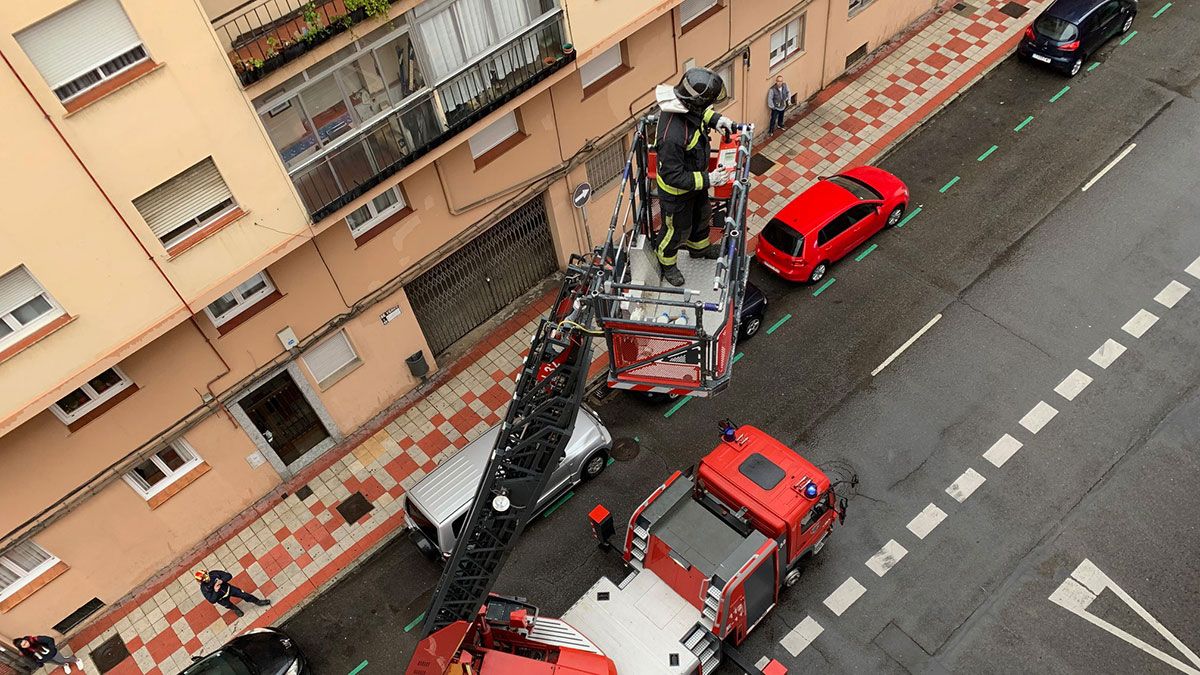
x: 186, y: 204
x: 331, y: 359
x: 21, y: 564
x: 24, y: 306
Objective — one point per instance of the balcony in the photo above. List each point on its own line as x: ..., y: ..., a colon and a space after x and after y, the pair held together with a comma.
x: 361, y: 158
x: 259, y: 36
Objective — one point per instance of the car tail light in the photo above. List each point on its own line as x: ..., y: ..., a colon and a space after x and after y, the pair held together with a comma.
x: 1029, y: 33
x: 1070, y: 46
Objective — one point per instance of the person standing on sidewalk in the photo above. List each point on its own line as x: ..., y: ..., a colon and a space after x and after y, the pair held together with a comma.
x: 778, y: 97
x: 216, y: 587
x: 41, y: 648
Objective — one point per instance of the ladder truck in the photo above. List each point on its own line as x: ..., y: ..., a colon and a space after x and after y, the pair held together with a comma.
x: 677, y: 339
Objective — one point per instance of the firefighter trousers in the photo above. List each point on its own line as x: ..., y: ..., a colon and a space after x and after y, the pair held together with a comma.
x: 686, y: 220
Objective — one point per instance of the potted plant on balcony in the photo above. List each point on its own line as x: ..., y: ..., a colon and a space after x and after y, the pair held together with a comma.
x: 568, y: 49
x: 292, y: 49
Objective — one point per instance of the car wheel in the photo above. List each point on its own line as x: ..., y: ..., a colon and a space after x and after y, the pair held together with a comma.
x: 818, y: 273
x: 1127, y: 25
x: 895, y: 216
x: 595, y: 464
x: 751, y: 327
x: 1075, y: 68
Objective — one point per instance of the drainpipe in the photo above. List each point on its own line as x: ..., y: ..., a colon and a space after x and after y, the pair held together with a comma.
x: 825, y: 49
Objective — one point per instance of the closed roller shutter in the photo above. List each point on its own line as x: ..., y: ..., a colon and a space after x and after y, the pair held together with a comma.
x: 17, y: 288
x: 78, y: 39
x: 183, y: 198
x: 326, y: 359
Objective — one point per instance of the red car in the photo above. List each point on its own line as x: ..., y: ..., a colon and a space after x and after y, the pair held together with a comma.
x: 829, y: 220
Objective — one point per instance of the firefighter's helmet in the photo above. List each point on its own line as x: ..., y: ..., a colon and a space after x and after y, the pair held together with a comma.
x: 698, y: 89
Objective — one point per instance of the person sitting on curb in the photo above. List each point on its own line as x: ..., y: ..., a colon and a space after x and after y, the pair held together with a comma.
x: 41, y: 648
x: 216, y: 587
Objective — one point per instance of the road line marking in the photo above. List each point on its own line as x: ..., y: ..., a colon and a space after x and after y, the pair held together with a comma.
x: 738, y: 357
x: 949, y: 185
x: 1140, y: 323
x: 675, y: 408
x: 762, y: 662
x: 1001, y: 450
x: 866, y: 253
x: 845, y: 595
x: 1038, y: 416
x: 887, y: 557
x: 413, y: 624
x: 1023, y: 123
x: 1107, y: 353
x: 801, y: 636
x: 1060, y: 93
x: 906, y: 345
x: 1172, y: 294
x: 560, y: 502
x: 1127, y: 38
x: 359, y: 668
x: 925, y: 521
x: 1194, y: 268
x: 1106, y: 169
x: 989, y: 151
x: 965, y: 485
x: 779, y: 323
x: 1161, y: 10
x: 610, y: 461
x: 1074, y: 383
x: 909, y: 217
x: 1095, y: 65
x: 825, y: 285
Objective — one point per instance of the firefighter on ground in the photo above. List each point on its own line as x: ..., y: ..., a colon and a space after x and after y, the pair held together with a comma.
x: 683, y: 175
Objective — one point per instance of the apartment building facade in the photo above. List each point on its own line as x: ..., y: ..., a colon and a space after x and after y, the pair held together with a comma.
x: 234, y: 232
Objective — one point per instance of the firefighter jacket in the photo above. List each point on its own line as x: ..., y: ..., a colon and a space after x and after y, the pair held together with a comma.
x: 683, y: 151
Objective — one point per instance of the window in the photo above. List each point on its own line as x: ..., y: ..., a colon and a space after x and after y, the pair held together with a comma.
x: 855, y: 187
x: 787, y: 40
x: 1055, y: 29
x: 494, y: 134
x: 82, y: 46
x: 91, y: 395
x: 331, y: 359
x: 24, y: 306
x: 855, y: 6
x: 162, y: 468
x: 607, y: 165
x: 781, y: 236
x: 186, y: 203
x: 856, y: 214
x: 375, y: 211
x: 726, y: 73
x: 21, y: 564
x: 835, y: 227
x: 604, y: 63
x: 689, y: 10
x: 240, y: 299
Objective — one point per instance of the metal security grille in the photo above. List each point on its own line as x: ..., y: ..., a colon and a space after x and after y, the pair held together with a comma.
x: 478, y: 280
x: 605, y: 166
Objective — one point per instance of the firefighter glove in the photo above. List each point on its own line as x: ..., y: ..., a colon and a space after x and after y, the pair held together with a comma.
x: 726, y: 125
x: 718, y: 177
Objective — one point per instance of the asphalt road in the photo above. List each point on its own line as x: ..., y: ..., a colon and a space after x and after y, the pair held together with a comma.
x: 1029, y: 275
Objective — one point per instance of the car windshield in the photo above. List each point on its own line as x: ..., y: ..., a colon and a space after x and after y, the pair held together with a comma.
x: 420, y: 520
x: 223, y: 662
x: 1055, y: 29
x: 784, y: 238
x: 855, y: 187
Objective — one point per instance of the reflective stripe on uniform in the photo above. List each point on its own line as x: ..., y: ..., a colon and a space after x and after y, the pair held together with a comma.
x: 671, y: 189
x: 668, y: 233
x: 708, y: 113
x: 695, y: 139
x: 697, y: 245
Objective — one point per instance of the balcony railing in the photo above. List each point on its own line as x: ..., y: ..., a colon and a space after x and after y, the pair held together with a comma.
x: 260, y: 36
x: 355, y: 164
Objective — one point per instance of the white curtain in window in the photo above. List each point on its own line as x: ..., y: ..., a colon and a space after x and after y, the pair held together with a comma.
x: 439, y: 34
x: 512, y: 16
x: 475, y: 25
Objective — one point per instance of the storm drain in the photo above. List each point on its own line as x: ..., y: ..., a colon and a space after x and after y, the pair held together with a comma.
x: 1014, y: 9
x: 964, y: 9
x: 109, y: 654
x: 759, y: 164
x: 304, y: 492
x: 354, y: 508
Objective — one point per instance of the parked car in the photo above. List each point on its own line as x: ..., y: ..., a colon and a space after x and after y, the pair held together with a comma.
x: 262, y: 651
x: 829, y: 220
x: 437, y: 505
x: 1070, y: 30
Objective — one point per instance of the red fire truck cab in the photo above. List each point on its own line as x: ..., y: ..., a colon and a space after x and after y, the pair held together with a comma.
x: 710, y: 554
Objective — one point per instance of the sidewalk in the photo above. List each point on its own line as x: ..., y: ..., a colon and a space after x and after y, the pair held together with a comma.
x: 297, y: 547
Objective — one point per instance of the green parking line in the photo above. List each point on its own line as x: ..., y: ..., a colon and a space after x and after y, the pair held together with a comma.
x: 1127, y: 38
x: 675, y: 408
x: 825, y: 285
x: 609, y: 462
x: 1094, y: 66
x: 1024, y: 122
x: 359, y: 668
x: 558, y: 503
x: 413, y: 624
x: 1060, y: 93
x: 779, y: 323
x: 738, y: 357
x: 949, y: 185
x: 1161, y: 10
x: 909, y: 217
x: 865, y: 253
x: 989, y: 151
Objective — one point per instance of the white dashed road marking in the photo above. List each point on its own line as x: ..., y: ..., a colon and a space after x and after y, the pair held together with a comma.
x: 1140, y: 323
x: 1037, y: 418
x: 801, y: 636
x: 965, y: 485
x: 1172, y: 294
x: 762, y: 662
x: 887, y: 557
x: 906, y: 345
x: 1107, y: 353
x: 1001, y: 450
x: 1194, y: 268
x: 1073, y: 384
x: 926, y: 520
x: 845, y: 595
x: 1109, y: 166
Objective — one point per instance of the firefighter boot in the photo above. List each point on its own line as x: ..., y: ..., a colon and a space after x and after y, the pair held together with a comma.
x: 672, y: 274
x: 710, y: 252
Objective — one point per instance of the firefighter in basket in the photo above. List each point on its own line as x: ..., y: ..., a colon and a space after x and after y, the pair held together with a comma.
x: 683, y: 176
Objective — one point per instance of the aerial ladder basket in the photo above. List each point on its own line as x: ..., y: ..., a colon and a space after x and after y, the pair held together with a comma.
x: 661, y: 338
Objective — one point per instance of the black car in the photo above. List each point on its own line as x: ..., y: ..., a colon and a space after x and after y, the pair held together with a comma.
x: 262, y: 651
x: 1071, y: 30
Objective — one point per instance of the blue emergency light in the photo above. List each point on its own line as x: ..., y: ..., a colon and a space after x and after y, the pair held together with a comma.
x: 810, y: 490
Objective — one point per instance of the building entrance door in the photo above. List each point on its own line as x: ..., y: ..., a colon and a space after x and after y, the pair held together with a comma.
x: 287, y: 421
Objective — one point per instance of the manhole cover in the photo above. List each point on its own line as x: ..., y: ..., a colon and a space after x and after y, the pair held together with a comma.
x: 964, y: 9
x: 354, y: 508
x: 1015, y: 10
x: 625, y: 449
x: 760, y: 165
x: 110, y: 654
x: 304, y: 492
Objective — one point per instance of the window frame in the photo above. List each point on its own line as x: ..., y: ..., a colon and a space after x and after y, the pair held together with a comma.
x: 337, y: 373
x: 96, y: 401
x: 601, y: 185
x: 721, y: 102
x: 199, y: 222
x: 587, y: 82
x: 24, y: 577
x: 478, y: 154
x: 377, y: 217
x: 243, y: 303
x: 800, y: 23
x: 697, y: 15
x: 19, y: 330
x: 180, y: 446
